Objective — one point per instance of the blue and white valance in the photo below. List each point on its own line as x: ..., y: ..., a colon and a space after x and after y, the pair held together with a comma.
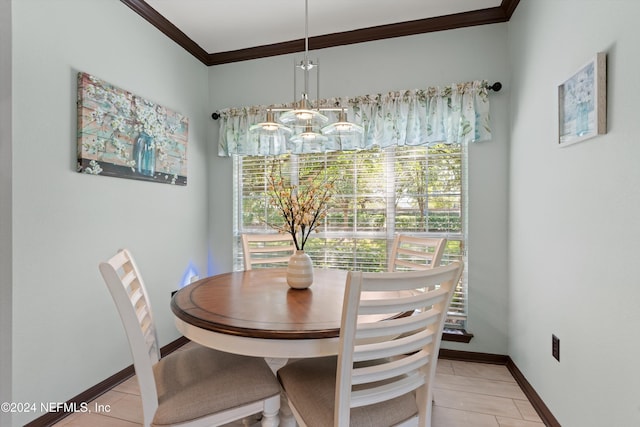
x: 453, y: 114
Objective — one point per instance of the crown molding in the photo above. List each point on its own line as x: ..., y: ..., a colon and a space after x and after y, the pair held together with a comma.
x: 492, y: 15
x: 143, y: 9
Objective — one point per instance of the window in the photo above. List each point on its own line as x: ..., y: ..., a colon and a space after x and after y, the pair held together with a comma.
x: 379, y: 193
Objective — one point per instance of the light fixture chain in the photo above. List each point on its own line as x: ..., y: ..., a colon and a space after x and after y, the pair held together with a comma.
x: 302, y: 125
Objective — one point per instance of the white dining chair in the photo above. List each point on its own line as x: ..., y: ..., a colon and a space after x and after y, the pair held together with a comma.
x: 415, y: 253
x: 384, y: 370
x: 196, y: 386
x: 267, y: 250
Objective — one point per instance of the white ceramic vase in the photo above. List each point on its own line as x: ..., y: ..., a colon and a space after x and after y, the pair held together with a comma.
x: 300, y: 271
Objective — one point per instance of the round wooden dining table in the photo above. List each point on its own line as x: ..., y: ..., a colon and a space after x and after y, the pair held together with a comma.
x: 256, y: 313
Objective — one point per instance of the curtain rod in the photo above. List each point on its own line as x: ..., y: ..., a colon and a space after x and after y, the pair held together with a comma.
x: 494, y: 87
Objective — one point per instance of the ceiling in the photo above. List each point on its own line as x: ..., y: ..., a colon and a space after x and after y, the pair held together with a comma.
x: 217, y: 31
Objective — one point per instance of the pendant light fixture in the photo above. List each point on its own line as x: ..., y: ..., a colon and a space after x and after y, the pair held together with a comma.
x: 304, y: 126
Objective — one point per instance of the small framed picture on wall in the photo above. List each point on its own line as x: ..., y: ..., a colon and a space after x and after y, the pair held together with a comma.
x: 582, y: 103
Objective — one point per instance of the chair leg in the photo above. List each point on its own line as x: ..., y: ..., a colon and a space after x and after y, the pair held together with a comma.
x: 270, y: 417
x: 287, y: 419
x: 429, y: 411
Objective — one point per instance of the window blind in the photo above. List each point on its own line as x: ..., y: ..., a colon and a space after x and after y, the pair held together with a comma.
x: 378, y: 194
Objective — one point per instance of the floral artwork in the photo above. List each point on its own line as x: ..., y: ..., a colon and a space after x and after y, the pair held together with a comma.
x: 582, y: 101
x: 302, y: 207
x: 124, y: 135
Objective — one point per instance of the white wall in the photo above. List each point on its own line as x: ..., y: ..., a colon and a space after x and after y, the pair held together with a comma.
x: 404, y: 63
x: 5, y: 207
x: 574, y: 212
x: 67, y: 335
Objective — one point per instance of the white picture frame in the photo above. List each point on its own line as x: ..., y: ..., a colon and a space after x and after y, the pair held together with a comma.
x: 582, y: 103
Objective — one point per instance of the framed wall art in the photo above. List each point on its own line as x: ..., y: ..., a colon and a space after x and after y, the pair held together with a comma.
x: 123, y: 135
x: 582, y: 103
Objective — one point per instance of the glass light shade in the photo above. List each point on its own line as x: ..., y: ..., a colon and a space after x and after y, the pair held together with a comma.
x: 308, y: 137
x: 302, y: 117
x: 342, y: 128
x: 308, y: 142
x: 270, y: 127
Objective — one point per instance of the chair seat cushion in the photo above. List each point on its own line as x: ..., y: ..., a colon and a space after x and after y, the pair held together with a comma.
x: 310, y: 385
x: 199, y: 381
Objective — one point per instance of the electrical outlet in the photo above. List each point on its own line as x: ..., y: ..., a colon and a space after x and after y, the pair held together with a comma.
x: 555, y: 347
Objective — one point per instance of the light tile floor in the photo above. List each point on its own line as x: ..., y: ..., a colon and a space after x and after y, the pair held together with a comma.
x: 466, y: 395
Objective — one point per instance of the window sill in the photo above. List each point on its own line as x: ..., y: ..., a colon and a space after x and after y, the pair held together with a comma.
x: 456, y: 335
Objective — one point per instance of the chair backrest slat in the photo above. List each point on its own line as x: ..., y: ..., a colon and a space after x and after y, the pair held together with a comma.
x: 388, y: 391
x: 388, y: 349
x: 267, y: 250
x: 388, y: 358
x: 402, y: 304
x: 135, y: 296
x: 416, y: 253
x: 128, y: 278
x: 398, y: 367
x: 410, y: 279
x: 397, y: 326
